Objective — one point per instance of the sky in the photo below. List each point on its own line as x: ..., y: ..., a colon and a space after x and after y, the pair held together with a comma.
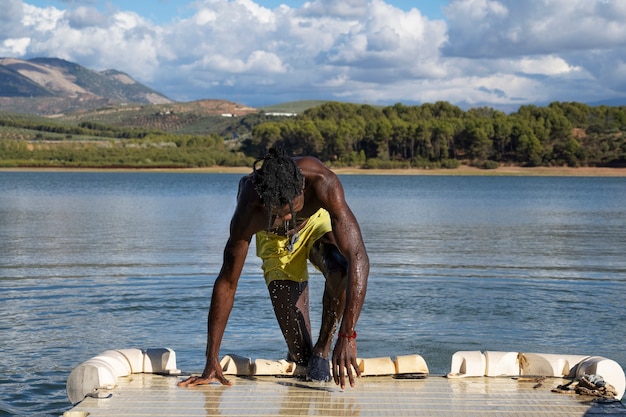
x: 497, y: 53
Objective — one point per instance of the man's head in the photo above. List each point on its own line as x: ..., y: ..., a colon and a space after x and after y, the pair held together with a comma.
x: 278, y: 181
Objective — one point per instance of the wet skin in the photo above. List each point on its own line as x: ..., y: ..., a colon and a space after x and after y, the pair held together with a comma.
x: 340, y: 255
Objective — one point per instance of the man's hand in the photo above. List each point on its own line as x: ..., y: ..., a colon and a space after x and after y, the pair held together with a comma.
x: 210, y: 374
x: 344, y: 361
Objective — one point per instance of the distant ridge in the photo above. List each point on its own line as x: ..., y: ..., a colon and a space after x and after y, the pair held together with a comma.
x: 63, y: 86
x: 612, y: 102
x: 293, y: 106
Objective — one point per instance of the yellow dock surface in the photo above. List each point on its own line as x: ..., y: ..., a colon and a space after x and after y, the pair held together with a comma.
x: 156, y: 395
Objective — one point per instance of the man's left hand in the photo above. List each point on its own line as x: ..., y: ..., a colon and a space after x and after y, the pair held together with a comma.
x: 344, y: 362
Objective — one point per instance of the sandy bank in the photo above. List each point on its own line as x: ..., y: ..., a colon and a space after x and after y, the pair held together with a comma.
x: 502, y: 171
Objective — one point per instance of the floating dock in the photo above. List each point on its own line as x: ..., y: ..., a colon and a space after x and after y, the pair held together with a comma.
x: 398, y: 394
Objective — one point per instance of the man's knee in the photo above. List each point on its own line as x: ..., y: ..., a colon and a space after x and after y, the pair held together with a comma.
x: 328, y: 259
x: 336, y: 261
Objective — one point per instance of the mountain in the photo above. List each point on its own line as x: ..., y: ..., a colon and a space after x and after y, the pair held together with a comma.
x: 52, y: 85
x: 13, y: 84
x: 611, y: 102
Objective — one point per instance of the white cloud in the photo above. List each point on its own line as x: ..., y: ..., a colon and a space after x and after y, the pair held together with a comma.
x: 11, y: 20
x: 14, y: 47
x: 490, y: 28
x: 41, y: 20
x: 260, y: 62
x: 389, y: 42
x: 84, y: 17
x: 555, y: 38
x: 487, y: 51
x: 606, y: 67
x: 547, y: 65
x: 347, y: 9
x: 204, y: 17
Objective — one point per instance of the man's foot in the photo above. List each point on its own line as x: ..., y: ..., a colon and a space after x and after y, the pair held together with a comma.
x: 319, y: 369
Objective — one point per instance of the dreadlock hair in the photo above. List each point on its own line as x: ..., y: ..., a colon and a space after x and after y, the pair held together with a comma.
x: 278, y: 181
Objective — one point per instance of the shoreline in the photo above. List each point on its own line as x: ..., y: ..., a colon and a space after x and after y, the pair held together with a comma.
x: 463, y: 170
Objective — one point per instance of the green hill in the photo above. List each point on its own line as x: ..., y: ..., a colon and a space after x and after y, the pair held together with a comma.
x: 293, y: 106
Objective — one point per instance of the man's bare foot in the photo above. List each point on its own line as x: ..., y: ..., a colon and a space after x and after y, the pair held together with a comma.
x: 319, y: 369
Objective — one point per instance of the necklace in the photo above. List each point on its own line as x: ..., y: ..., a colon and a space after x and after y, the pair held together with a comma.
x: 292, y: 239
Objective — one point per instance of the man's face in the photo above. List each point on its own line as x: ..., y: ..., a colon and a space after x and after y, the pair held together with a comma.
x: 281, y: 215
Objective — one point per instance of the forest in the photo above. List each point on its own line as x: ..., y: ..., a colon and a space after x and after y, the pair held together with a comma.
x: 443, y: 135
x: 431, y: 135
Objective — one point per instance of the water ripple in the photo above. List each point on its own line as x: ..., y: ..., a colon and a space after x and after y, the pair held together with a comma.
x: 94, y: 262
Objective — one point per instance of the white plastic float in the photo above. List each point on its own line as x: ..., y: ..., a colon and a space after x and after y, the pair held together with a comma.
x: 103, y: 371
x: 400, y: 365
x: 477, y: 363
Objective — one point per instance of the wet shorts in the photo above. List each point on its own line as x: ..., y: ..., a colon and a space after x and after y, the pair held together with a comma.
x: 278, y: 262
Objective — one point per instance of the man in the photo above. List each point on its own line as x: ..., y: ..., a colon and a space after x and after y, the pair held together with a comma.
x: 297, y: 210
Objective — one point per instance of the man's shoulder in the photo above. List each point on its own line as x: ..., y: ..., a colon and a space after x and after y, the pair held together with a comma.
x: 321, y: 182
x: 246, y: 180
x: 313, y: 168
x: 247, y: 191
x: 308, y: 161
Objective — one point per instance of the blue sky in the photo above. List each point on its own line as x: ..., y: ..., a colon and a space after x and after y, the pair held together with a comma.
x: 162, y: 11
x: 498, y: 53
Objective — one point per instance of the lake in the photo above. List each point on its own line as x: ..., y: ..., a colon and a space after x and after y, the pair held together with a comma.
x: 108, y: 260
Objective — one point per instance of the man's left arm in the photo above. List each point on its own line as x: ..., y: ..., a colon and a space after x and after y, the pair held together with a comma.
x: 349, y: 240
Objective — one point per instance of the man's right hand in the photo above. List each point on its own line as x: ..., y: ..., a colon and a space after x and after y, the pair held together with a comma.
x: 208, y: 376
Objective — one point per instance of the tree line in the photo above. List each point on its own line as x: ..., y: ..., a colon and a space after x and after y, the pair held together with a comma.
x: 441, y: 134
x: 88, y: 128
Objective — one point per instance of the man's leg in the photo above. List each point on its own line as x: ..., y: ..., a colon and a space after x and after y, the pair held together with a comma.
x: 290, y: 300
x: 327, y: 258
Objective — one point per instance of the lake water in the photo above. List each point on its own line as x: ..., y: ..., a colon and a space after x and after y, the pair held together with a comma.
x: 97, y: 261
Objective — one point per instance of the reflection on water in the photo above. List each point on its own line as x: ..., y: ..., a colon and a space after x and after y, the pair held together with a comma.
x: 96, y: 261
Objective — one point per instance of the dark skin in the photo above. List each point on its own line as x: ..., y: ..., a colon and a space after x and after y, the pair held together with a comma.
x: 344, y: 290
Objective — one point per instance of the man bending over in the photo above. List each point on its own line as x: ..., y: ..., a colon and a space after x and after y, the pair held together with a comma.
x: 297, y: 210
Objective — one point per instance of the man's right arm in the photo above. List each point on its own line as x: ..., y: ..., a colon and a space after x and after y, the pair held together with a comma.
x: 223, y: 296
x: 222, y: 301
